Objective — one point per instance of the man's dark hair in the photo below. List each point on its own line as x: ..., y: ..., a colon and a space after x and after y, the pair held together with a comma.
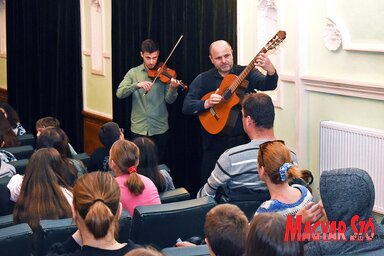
x: 149, y: 45
x: 259, y: 107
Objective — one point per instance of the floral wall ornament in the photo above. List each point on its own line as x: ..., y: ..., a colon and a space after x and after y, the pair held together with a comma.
x: 95, y: 4
x: 269, y: 8
x: 332, y: 36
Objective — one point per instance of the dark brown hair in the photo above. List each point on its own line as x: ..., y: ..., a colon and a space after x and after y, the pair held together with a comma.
x: 96, y: 198
x: 126, y: 154
x: 266, y: 237
x: 41, y: 196
x: 148, y: 165
x: 9, y: 137
x: 226, y: 228
x: 259, y: 107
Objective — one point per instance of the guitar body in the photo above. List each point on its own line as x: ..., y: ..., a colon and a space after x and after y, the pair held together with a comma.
x: 221, y: 117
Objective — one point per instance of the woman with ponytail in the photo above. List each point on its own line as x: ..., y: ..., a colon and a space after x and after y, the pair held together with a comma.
x: 96, y: 211
x: 275, y: 169
x: 135, y: 189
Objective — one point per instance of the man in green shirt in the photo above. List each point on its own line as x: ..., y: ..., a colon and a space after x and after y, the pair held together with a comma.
x: 149, y: 116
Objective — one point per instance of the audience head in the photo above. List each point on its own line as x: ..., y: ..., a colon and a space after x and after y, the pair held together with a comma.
x: 259, y: 108
x: 266, y: 237
x: 275, y: 163
x: 148, y: 165
x: 225, y: 228
x: 147, y: 251
x: 9, y: 137
x: 41, y: 195
x: 124, y: 159
x: 46, y: 122
x: 54, y: 137
x: 109, y: 133
x: 96, y: 204
x: 10, y: 113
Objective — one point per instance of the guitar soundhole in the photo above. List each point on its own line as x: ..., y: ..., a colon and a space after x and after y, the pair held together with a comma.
x: 227, y: 94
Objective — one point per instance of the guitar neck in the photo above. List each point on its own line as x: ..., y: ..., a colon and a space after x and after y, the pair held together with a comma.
x: 246, y: 72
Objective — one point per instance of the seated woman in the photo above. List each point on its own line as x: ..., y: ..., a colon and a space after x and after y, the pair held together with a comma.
x: 275, y: 169
x: 13, y: 118
x: 9, y: 137
x: 56, y: 138
x: 5, y: 155
x: 135, y: 189
x: 108, y: 134
x: 266, y: 237
x: 148, y: 165
x: 43, y: 195
x: 96, y: 211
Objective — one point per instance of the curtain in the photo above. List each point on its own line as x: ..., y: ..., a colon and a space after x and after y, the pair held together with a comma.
x: 200, y: 22
x: 44, y: 63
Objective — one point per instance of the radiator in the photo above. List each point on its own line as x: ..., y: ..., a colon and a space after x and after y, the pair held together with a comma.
x: 343, y: 145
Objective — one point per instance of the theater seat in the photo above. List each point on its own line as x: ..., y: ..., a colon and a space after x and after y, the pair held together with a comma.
x: 200, y: 250
x: 20, y: 165
x: 16, y: 240
x: 178, y: 194
x: 21, y: 152
x: 6, y: 221
x: 27, y: 139
x: 54, y: 231
x: 161, y: 225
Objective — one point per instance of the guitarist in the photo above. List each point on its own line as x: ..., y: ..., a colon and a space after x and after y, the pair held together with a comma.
x: 221, y: 56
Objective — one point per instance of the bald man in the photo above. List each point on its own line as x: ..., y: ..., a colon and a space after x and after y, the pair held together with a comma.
x: 221, y: 56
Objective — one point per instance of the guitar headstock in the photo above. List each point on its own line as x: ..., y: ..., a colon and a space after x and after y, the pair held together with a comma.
x: 276, y: 40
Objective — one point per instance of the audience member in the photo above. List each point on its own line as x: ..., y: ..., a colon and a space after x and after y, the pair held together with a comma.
x: 5, y: 155
x: 6, y: 206
x: 56, y: 138
x: 346, y: 193
x: 266, y: 237
x: 43, y: 194
x: 275, y: 169
x: 136, y: 189
x: 96, y: 211
x: 9, y: 137
x: 148, y: 165
x: 225, y: 229
x: 51, y: 122
x: 13, y: 118
x: 237, y: 169
x: 108, y: 134
x: 147, y: 251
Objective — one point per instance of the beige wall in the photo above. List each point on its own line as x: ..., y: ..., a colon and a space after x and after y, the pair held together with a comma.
x: 3, y: 73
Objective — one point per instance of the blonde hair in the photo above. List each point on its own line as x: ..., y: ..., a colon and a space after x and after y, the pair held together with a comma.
x: 126, y: 154
x: 96, y: 196
x: 274, y: 154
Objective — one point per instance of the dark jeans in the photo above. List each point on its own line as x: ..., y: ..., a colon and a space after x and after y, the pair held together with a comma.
x: 161, y: 141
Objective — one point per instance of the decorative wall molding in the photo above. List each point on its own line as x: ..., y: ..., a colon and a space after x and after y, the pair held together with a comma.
x: 344, y: 87
x: 3, y: 32
x: 97, y: 36
x: 348, y: 44
x: 87, y: 52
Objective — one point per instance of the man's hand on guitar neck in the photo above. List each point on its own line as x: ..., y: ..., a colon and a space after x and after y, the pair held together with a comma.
x: 265, y: 63
x: 213, y: 99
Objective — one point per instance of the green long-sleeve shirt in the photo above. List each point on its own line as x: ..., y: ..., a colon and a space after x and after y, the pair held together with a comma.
x: 149, y: 114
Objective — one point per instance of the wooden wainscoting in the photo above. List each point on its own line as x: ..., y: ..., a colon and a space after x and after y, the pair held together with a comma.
x: 3, y: 95
x: 92, y: 124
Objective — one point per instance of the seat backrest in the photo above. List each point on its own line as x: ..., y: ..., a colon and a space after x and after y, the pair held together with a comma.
x: 162, y: 224
x: 6, y: 220
x: 50, y: 232
x: 178, y: 194
x: 27, y: 139
x: 16, y: 240
x: 125, y: 224
x: 20, y: 165
x: 200, y: 250
x: 21, y: 152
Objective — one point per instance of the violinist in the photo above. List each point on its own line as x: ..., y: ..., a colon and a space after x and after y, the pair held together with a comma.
x: 149, y: 115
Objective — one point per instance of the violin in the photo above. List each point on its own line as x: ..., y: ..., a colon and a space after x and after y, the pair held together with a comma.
x: 164, y: 74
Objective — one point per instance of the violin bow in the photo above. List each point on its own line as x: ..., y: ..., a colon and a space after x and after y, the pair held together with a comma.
x: 165, y: 62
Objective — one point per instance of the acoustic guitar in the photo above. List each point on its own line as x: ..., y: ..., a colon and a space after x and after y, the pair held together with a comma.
x: 222, y: 116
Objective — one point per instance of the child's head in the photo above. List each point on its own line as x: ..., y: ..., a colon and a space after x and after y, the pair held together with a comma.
x: 109, y: 133
x: 46, y: 122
